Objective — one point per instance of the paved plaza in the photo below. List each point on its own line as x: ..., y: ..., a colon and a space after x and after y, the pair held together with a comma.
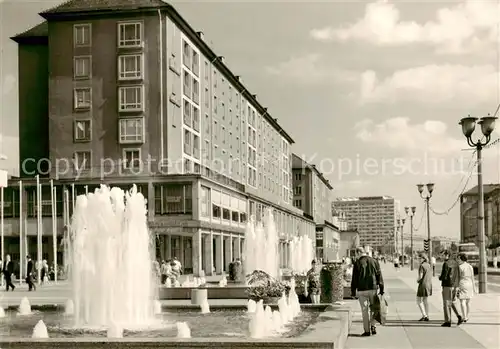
x: 402, y: 331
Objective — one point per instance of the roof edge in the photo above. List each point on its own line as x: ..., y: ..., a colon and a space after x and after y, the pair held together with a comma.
x: 193, y: 36
x: 313, y: 168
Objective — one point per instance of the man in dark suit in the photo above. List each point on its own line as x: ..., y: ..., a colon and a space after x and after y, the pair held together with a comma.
x: 366, y: 280
x: 29, y: 274
x: 8, y: 270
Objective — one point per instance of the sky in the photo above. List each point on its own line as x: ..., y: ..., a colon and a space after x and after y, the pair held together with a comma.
x: 371, y: 92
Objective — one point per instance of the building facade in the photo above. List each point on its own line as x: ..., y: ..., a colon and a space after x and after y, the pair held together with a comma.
x: 374, y: 217
x: 312, y: 193
x: 135, y: 95
x: 469, y: 213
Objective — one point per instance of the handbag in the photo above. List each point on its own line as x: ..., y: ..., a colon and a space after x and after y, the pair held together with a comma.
x: 380, y: 309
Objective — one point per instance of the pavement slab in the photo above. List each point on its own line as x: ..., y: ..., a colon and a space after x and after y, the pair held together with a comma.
x: 404, y: 331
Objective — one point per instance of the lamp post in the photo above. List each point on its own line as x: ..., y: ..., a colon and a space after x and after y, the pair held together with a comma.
x: 487, y: 124
x: 427, y: 197
x: 410, y: 212
x: 402, y: 225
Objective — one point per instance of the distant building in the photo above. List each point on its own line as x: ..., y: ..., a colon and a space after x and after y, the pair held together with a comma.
x: 441, y: 243
x: 312, y: 193
x: 349, y: 241
x: 469, y: 212
x: 374, y: 217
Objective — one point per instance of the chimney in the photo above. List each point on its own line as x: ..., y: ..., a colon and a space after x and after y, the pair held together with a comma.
x: 254, y: 96
x: 222, y: 59
x: 201, y: 35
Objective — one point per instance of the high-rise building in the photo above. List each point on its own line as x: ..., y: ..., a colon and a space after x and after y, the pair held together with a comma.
x: 374, y: 217
x: 312, y: 192
x: 121, y: 92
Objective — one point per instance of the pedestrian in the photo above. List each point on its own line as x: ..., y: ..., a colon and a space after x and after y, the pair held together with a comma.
x: 433, y: 264
x: 449, y: 282
x: 165, y: 270
x: 424, y: 289
x: 366, y: 278
x: 313, y: 284
x: 44, y: 272
x: 396, y: 262
x: 466, y: 286
x: 29, y: 274
x: 8, y: 270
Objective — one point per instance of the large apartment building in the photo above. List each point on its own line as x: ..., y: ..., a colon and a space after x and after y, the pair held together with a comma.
x: 374, y: 217
x: 121, y: 92
x: 312, y: 193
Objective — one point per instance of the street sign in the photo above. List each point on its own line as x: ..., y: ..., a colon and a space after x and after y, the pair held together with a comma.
x: 426, y: 245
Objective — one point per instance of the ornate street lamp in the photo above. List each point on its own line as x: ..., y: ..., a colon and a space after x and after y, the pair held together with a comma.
x: 410, y: 212
x: 487, y: 124
x: 426, y: 195
x: 403, y: 220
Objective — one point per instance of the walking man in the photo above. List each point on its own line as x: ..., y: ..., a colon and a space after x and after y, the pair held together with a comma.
x: 449, y: 282
x: 366, y: 278
x: 8, y: 270
x: 29, y: 274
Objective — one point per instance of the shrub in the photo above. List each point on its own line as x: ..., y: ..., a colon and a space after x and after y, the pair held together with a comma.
x: 263, y: 286
x: 332, y: 283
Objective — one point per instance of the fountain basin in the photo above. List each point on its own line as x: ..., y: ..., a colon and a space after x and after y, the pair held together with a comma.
x: 324, y: 327
x: 227, y: 292
x: 232, y: 291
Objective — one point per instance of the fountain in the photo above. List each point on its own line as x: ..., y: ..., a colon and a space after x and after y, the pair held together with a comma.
x: 205, y: 307
x: 157, y: 307
x: 183, y: 330
x: 301, y: 254
x: 113, y: 292
x: 111, y: 245
x: 69, y: 308
x: 40, y: 331
x: 251, y: 306
x: 115, y: 331
x: 258, y: 235
x: 24, y: 307
x: 277, y: 325
x: 257, y: 323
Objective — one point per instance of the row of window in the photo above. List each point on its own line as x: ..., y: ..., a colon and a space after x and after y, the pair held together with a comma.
x: 130, y: 67
x: 130, y: 35
x: 131, y: 160
x: 130, y: 130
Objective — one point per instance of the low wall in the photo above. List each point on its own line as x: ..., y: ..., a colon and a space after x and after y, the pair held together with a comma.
x: 228, y: 292
x: 330, y: 331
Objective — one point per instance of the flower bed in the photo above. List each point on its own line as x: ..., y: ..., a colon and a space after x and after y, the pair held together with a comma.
x: 263, y: 287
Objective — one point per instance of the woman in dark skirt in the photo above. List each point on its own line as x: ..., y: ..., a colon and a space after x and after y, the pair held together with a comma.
x: 424, y: 289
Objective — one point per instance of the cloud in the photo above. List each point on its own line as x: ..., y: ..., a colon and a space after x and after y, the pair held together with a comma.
x: 398, y: 133
x: 455, y: 29
x: 433, y: 84
x: 310, y: 68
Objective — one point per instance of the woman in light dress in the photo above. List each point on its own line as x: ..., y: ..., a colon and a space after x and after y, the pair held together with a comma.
x: 466, y: 285
x: 424, y: 289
